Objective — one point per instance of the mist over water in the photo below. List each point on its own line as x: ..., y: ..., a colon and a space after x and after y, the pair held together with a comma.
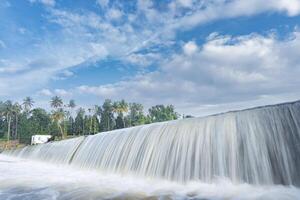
x: 248, y: 154
x: 23, y: 179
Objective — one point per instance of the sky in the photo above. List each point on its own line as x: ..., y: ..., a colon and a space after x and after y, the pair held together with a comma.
x: 202, y: 56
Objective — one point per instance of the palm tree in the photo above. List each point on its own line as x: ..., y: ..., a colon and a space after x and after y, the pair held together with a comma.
x: 28, y: 103
x: 98, y: 111
x: 3, y: 113
x: 124, y: 105
x: 116, y: 107
x: 7, y: 111
x: 58, y: 114
x: 72, y: 104
x: 121, y: 107
x: 81, y: 113
x: 56, y: 102
x: 16, y: 109
x: 91, y: 120
x: 58, y: 117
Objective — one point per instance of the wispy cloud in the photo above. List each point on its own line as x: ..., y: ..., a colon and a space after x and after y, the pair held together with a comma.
x: 102, y: 3
x: 49, y: 93
x: 45, y: 2
x: 45, y: 92
x: 223, y: 70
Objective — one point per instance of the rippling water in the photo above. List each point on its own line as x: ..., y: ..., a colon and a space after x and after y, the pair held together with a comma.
x: 22, y: 179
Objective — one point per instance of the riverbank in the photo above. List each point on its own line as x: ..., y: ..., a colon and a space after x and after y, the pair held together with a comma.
x: 8, y: 145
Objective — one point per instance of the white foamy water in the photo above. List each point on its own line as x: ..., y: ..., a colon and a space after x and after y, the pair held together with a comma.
x: 23, y: 179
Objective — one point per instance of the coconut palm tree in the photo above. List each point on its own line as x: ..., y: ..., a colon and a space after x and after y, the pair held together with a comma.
x: 28, y: 104
x: 79, y: 121
x: 124, y: 107
x: 58, y: 117
x: 58, y: 113
x: 16, y: 110
x: 89, y: 118
x: 7, y: 112
x: 121, y: 107
x: 56, y: 102
x: 97, y: 111
x: 72, y: 104
x: 116, y: 108
x: 69, y: 114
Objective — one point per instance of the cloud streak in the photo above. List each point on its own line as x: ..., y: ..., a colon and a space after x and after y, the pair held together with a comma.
x: 224, y: 70
x: 50, y: 3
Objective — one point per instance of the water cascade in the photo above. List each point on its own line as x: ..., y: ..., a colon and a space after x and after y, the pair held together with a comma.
x: 256, y: 146
x: 60, y: 152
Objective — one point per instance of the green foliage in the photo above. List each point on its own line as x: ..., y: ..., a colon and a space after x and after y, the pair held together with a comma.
x: 72, y: 104
x: 21, y: 122
x: 160, y: 113
x: 136, y: 114
x: 107, y: 121
x: 79, y: 122
x: 40, y: 121
x: 28, y: 104
x: 56, y: 102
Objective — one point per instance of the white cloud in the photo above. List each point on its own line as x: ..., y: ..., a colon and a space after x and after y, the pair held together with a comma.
x: 121, y: 42
x: 55, y: 92
x: 157, y: 29
x: 225, y: 71
x: 190, y: 48
x: 52, y: 61
x: 102, y: 3
x: 104, y: 91
x: 63, y: 75
x: 207, y: 11
x: 62, y: 92
x: 8, y: 66
x: 143, y: 60
x: 50, y: 3
x: 114, y: 14
x: 67, y: 73
x: 185, y: 3
x: 45, y: 92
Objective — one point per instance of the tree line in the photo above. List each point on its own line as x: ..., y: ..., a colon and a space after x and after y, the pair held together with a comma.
x: 19, y: 121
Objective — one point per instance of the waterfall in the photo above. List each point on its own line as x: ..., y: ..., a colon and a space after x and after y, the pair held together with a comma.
x: 256, y: 146
x: 60, y: 152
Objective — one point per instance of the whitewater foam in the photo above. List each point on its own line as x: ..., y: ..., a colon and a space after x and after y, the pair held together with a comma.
x: 23, y: 179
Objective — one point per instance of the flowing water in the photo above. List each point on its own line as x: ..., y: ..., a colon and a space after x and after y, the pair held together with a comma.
x: 30, y: 180
x: 249, y: 154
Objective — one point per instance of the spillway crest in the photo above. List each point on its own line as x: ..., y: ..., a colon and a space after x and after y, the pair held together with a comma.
x: 257, y: 146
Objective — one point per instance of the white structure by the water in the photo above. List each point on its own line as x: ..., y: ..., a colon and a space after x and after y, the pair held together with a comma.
x: 40, y: 139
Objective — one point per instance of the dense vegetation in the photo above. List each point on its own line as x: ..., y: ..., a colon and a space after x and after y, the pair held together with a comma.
x: 21, y: 121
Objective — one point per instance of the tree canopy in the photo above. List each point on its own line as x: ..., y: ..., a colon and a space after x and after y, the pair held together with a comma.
x: 21, y: 121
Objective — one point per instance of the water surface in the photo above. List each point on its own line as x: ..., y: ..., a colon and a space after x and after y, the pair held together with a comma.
x: 22, y: 179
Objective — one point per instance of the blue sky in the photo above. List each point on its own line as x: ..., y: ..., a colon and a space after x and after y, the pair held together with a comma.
x: 203, y: 56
